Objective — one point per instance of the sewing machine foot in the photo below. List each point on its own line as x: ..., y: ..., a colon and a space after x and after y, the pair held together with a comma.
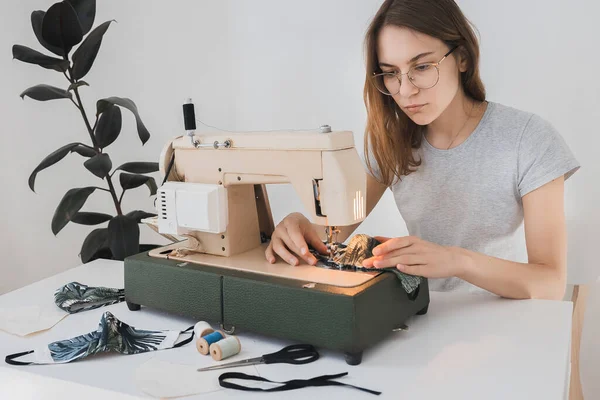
x: 354, y: 358
x: 424, y: 310
x: 133, y: 306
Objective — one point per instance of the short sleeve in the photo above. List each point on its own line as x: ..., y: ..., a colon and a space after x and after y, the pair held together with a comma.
x: 543, y: 156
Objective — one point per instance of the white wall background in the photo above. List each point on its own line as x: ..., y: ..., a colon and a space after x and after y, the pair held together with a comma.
x: 268, y: 64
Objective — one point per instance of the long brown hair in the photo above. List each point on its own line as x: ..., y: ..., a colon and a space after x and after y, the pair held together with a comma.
x: 390, y: 135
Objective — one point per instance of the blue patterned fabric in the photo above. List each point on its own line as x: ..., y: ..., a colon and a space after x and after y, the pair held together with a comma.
x: 75, y: 297
x: 111, y: 335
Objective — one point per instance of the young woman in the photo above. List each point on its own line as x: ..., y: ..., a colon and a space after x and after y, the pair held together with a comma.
x: 465, y: 172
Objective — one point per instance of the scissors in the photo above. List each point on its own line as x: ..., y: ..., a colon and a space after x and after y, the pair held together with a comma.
x: 294, y: 354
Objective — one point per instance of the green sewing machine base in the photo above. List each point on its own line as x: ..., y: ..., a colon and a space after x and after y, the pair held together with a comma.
x: 349, y: 320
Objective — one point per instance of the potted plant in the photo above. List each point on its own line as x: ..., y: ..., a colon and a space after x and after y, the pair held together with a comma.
x: 64, y: 26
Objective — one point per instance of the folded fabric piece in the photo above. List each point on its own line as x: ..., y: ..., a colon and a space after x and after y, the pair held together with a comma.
x: 350, y: 257
x: 324, y: 380
x: 75, y: 297
x: 25, y: 320
x: 165, y: 379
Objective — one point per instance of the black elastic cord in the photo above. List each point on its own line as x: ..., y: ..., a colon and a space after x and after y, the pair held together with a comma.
x: 10, y: 358
x: 323, y: 380
x: 186, y: 341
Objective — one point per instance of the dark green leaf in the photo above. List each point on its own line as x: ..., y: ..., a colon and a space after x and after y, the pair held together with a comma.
x: 139, y: 167
x: 84, y: 56
x: 77, y: 84
x: 25, y: 54
x: 86, y: 12
x: 152, y: 186
x: 51, y: 159
x: 36, y: 23
x: 90, y: 218
x: 61, y: 27
x: 123, y: 237
x: 99, y: 165
x: 102, y: 104
x: 139, y: 215
x: 131, y: 181
x: 70, y: 204
x: 96, y: 241
x: 109, y: 126
x: 84, y: 151
x: 103, y: 253
x: 46, y: 92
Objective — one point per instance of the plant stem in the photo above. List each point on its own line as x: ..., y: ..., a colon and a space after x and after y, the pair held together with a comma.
x: 79, y: 105
x: 85, y: 119
x: 114, y: 195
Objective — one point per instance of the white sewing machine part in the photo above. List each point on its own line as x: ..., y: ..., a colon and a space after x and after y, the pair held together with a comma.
x: 186, y: 207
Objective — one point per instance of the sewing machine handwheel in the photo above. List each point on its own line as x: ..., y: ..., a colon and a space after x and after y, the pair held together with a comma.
x: 133, y: 306
x: 354, y: 358
x: 424, y: 310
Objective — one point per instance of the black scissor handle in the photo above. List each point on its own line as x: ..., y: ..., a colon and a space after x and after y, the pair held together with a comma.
x: 293, y: 354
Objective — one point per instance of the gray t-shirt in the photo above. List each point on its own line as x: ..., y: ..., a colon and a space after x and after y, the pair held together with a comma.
x: 470, y: 196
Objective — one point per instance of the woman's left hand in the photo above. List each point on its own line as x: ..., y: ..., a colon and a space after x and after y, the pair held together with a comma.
x: 414, y: 256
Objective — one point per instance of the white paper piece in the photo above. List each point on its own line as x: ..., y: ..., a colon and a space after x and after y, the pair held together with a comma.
x: 164, y: 379
x: 25, y: 320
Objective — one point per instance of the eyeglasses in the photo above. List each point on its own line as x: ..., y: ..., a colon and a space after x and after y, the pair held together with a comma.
x: 422, y: 76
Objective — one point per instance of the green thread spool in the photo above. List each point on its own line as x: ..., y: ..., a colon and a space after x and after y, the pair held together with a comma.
x: 203, y: 343
x: 225, y: 348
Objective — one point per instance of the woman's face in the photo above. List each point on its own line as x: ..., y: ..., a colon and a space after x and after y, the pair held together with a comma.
x: 397, y: 51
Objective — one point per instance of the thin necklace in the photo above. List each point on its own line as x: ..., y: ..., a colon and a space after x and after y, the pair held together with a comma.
x: 465, y: 124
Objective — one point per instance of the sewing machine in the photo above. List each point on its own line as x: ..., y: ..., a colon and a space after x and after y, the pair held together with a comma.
x: 214, y: 206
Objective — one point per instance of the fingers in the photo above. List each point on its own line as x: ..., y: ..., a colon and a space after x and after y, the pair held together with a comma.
x: 315, y: 241
x: 381, y: 239
x: 299, y: 243
x: 282, y: 251
x: 269, y: 253
x: 393, y: 244
x: 406, y: 259
x: 283, y: 244
x: 368, y: 262
x: 291, y: 239
x: 413, y: 249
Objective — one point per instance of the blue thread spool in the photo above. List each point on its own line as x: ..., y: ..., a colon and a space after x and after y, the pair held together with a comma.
x: 203, y: 343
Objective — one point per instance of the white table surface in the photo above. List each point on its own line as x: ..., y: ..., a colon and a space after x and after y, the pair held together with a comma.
x: 465, y: 347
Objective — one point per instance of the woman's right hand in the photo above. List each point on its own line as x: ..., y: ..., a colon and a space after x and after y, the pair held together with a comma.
x: 291, y: 238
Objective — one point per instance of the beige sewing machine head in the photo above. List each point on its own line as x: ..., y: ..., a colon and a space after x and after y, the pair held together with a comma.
x: 215, y: 196
x: 215, y: 192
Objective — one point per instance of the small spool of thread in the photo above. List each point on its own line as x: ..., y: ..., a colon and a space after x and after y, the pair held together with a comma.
x: 203, y: 343
x: 202, y: 328
x: 189, y: 116
x: 225, y: 348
